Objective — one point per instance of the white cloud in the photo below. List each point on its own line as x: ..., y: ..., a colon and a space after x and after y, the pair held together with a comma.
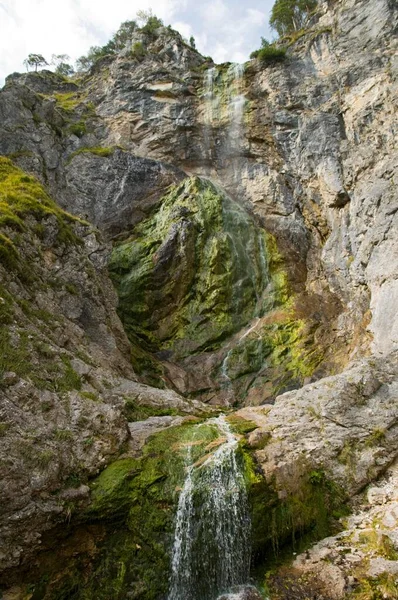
x: 184, y: 28
x: 233, y: 31
x: 214, y: 11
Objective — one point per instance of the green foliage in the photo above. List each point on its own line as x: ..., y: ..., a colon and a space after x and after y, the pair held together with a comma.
x: 95, y: 53
x: 148, y: 21
x: 61, y: 64
x: 192, y: 42
x: 35, y: 60
x: 269, y: 53
x: 138, y: 50
x: 124, y: 34
x: 291, y: 15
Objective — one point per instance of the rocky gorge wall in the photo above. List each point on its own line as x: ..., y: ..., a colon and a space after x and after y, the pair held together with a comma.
x: 248, y: 220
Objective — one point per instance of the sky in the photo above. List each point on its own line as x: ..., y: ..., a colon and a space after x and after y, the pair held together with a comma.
x: 226, y: 30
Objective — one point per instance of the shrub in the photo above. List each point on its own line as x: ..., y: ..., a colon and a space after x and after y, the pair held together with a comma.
x: 269, y: 53
x: 137, y: 50
x: 150, y: 22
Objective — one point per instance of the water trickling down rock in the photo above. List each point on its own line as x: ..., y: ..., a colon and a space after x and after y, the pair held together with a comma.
x: 211, y: 550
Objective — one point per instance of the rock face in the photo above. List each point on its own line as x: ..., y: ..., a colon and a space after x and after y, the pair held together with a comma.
x: 249, y: 219
x: 347, y: 423
x: 363, y: 556
x: 293, y: 143
x: 67, y: 386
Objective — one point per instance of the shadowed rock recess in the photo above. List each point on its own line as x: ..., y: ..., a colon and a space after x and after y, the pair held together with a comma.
x: 180, y: 240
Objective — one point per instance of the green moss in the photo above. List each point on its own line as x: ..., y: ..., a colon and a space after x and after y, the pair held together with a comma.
x: 79, y: 129
x: 22, y: 195
x: 135, y: 411
x: 194, y: 273
x: 241, y: 425
x: 68, y: 101
x: 96, y: 150
x: 383, y: 587
x: 137, y: 497
x: 190, y: 299
x: 306, y: 512
x: 111, y: 490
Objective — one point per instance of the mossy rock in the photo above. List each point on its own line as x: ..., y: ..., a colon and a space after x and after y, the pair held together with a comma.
x: 191, y: 274
x: 21, y: 195
x: 294, y: 513
x: 135, y: 499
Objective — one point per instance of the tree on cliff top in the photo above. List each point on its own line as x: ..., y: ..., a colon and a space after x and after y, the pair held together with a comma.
x: 291, y: 15
x: 35, y: 60
x: 148, y: 21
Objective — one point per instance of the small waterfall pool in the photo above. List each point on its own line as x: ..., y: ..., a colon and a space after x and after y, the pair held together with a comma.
x: 211, y: 551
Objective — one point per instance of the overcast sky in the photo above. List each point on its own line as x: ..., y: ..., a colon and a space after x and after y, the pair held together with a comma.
x: 227, y: 30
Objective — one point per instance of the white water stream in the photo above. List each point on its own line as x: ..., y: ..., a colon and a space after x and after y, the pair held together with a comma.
x: 224, y: 105
x: 211, y: 552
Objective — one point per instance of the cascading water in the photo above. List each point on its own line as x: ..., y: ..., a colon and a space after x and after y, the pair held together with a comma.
x: 224, y: 105
x: 212, y: 102
x: 211, y: 552
x: 236, y: 107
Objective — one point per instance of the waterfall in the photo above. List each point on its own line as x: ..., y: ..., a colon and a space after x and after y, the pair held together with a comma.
x: 211, y: 552
x: 211, y: 108
x: 237, y: 103
x: 224, y: 104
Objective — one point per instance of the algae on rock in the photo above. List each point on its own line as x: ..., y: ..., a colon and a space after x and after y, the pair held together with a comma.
x: 200, y: 277
x: 191, y: 274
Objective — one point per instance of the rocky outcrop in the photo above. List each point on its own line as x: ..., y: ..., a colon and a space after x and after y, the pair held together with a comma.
x: 362, y: 559
x: 345, y: 424
x: 67, y: 388
x: 293, y: 143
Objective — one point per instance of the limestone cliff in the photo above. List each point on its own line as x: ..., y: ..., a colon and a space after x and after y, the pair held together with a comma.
x: 247, y: 217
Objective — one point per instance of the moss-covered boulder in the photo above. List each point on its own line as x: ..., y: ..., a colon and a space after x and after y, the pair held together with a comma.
x: 130, y: 523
